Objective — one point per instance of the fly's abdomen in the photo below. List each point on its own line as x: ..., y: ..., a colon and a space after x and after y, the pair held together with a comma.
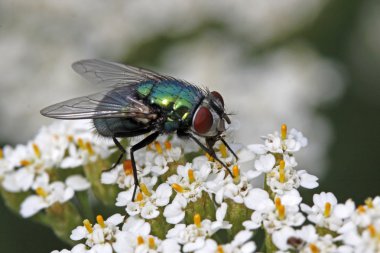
x: 125, y: 127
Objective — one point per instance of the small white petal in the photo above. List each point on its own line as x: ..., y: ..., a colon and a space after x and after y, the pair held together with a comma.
x: 32, y: 205
x: 78, y: 233
x: 265, y: 163
x: 77, y: 182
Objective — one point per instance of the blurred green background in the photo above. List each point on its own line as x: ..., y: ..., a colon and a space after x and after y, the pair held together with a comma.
x: 341, y: 35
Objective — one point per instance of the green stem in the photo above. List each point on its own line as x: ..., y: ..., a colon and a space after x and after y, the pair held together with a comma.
x: 85, y: 205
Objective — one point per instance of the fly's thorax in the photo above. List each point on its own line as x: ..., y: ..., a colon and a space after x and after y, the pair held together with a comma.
x: 175, y: 100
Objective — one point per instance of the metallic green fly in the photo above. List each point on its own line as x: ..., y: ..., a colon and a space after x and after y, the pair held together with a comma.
x: 137, y: 101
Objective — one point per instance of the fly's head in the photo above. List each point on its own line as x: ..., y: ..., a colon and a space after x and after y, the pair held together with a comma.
x: 210, y: 117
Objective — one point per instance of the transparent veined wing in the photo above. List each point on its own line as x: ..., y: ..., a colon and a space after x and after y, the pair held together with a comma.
x: 114, y: 74
x: 118, y: 102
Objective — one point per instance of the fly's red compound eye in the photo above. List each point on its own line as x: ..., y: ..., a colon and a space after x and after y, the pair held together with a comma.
x: 218, y: 96
x: 203, y: 120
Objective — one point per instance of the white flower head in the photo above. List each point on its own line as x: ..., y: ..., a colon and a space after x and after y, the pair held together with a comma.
x: 98, y: 237
x: 323, y: 212
x: 147, y: 201
x: 46, y: 195
x: 193, y: 237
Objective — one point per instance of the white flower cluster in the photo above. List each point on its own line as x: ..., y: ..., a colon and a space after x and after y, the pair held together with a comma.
x: 32, y: 168
x: 186, y: 201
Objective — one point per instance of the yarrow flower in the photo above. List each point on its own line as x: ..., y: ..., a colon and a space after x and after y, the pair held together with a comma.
x: 186, y: 201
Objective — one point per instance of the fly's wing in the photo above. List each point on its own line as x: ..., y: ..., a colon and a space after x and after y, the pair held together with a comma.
x: 114, y: 74
x: 118, y: 102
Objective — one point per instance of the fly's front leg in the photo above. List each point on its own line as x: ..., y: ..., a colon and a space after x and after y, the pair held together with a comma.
x: 146, y: 141
x: 210, y: 151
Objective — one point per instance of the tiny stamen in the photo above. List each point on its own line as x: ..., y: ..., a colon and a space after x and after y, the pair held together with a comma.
x: 284, y: 131
x: 282, y: 171
x: 168, y: 145
x: 152, y: 244
x: 209, y: 157
x: 277, y: 202
x: 127, y: 166
x: 140, y: 240
x: 177, y: 188
x: 223, y: 150
x: 236, y: 174
x: 372, y: 230
x: 25, y: 163
x: 369, y: 202
x: 361, y: 209
x: 139, y: 197
x: 41, y: 192
x: 1, y: 153
x: 220, y: 249
x: 100, y: 221
x: 36, y: 150
x: 313, y: 248
x: 70, y: 138
x: 89, y: 148
x: 197, y: 220
x: 88, y: 226
x: 190, y: 174
x: 145, y: 190
x: 158, y: 147
x: 327, y: 211
x: 81, y: 143
x: 281, y: 212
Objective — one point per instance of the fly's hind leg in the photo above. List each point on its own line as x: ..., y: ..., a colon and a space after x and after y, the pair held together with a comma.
x: 122, y: 153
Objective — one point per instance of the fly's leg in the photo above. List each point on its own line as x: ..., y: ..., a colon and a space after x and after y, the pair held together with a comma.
x: 122, y: 150
x: 146, y: 141
x: 210, y: 151
x: 229, y: 148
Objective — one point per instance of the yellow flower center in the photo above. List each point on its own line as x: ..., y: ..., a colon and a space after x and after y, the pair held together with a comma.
x: 223, y: 150
x: 361, y: 209
x: 81, y: 144
x: 41, y: 192
x: 220, y: 249
x: 190, y: 174
x: 70, y: 138
x: 197, y: 220
x: 139, y: 197
x: 88, y: 226
x: 152, y: 244
x: 100, y: 221
x: 284, y: 131
x: 236, y: 174
x: 36, y: 150
x: 282, y: 172
x: 127, y: 166
x: 313, y: 248
x: 280, y: 208
x: 177, y: 188
x: 210, y: 158
x: 1, y: 153
x: 168, y: 145
x: 158, y: 147
x: 140, y: 240
x: 372, y: 230
x: 369, y: 202
x: 145, y: 190
x: 89, y: 148
x: 25, y: 163
x: 327, y: 211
